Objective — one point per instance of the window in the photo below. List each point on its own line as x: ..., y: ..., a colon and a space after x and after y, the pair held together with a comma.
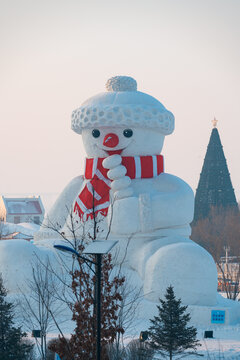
x: 16, y: 219
x: 36, y: 220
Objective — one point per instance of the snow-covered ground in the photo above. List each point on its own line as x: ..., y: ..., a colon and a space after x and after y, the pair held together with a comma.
x: 224, y: 345
x: 23, y: 228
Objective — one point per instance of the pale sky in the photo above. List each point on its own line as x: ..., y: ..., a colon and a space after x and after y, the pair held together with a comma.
x: 55, y: 54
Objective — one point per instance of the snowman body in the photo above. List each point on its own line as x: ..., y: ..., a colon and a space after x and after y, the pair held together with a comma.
x: 150, y: 216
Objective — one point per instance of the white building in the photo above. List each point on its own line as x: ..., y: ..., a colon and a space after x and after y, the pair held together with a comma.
x: 21, y: 210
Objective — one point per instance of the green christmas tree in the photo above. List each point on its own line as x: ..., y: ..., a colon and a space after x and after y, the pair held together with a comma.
x: 12, y: 346
x: 169, y: 333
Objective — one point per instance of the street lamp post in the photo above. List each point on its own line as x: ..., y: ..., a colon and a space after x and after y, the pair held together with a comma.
x: 98, y: 296
x: 96, y: 248
x: 143, y: 337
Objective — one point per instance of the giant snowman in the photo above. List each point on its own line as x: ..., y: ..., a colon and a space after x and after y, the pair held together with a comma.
x: 124, y: 187
x: 147, y: 210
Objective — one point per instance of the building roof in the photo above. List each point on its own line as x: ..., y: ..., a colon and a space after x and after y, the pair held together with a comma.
x: 23, y: 206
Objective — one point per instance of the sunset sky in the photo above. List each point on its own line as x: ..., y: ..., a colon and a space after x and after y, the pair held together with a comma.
x: 55, y: 54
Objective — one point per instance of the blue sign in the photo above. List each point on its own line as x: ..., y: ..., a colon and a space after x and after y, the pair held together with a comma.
x: 218, y: 317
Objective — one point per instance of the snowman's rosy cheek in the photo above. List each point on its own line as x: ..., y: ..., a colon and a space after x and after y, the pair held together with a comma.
x: 95, y: 133
x: 128, y: 133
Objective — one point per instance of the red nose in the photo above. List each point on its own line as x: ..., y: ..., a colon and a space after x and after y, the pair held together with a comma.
x: 111, y: 140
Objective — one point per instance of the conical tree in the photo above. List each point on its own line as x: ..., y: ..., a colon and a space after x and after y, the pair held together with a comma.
x: 169, y: 333
x: 12, y: 345
x: 215, y: 186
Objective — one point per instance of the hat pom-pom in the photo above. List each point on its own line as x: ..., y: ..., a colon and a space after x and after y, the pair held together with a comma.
x: 121, y: 83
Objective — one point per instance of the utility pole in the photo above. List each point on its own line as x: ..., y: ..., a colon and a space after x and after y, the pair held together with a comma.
x: 227, y: 249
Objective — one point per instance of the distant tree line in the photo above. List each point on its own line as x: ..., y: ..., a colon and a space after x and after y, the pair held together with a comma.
x: 220, y: 229
x: 219, y: 234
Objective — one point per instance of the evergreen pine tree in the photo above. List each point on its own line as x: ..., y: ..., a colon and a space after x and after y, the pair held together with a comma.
x: 169, y: 334
x: 12, y: 346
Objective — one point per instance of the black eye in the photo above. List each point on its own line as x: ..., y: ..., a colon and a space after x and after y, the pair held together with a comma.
x: 95, y: 133
x: 128, y: 133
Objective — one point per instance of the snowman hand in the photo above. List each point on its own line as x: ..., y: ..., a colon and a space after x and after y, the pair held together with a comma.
x: 121, y: 188
x: 117, y: 173
x: 112, y: 161
x: 120, y: 183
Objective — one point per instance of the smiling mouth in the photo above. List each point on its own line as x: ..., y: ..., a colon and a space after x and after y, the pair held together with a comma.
x: 112, y: 152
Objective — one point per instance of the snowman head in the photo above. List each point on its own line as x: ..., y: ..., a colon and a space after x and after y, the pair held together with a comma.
x: 126, y: 141
x: 122, y: 121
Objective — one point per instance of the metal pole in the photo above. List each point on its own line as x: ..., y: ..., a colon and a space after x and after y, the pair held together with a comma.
x: 141, y: 350
x: 99, y: 263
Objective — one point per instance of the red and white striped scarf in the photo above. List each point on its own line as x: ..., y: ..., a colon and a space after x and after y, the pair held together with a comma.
x: 95, y: 194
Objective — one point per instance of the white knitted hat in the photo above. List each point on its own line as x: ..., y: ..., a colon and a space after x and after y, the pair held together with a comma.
x: 123, y: 105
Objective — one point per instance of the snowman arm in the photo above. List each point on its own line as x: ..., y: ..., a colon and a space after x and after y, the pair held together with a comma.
x: 174, y: 207
x: 63, y: 205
